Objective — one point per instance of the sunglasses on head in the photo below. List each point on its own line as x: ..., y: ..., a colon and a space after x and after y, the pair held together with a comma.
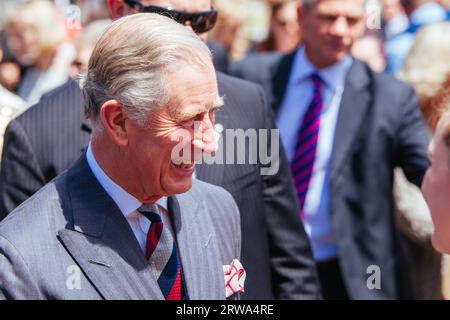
x: 200, y: 22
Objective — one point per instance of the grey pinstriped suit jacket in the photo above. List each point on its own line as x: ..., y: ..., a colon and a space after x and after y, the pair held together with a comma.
x: 72, y: 225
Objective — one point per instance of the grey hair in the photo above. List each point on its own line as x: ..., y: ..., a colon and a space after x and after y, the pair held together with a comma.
x: 130, y: 63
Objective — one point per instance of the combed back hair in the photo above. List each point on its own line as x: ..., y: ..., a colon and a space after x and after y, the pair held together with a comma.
x: 130, y: 63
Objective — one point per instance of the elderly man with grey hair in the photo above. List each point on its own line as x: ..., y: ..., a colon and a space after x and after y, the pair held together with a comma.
x: 127, y: 221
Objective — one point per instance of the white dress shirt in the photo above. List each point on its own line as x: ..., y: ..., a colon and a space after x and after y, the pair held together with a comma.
x: 127, y: 204
x: 299, y: 93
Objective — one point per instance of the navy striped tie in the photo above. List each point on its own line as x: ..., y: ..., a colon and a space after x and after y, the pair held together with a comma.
x: 302, y: 164
x: 162, y: 254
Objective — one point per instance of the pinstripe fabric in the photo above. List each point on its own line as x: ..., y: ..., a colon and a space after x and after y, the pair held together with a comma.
x: 199, y: 280
x: 40, y: 144
x: 305, y: 149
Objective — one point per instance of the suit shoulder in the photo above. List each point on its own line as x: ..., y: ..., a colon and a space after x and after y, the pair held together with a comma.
x: 38, y: 215
x: 253, y: 65
x: 390, y: 85
x: 60, y: 99
x: 256, y: 61
x: 228, y: 82
x: 244, y: 101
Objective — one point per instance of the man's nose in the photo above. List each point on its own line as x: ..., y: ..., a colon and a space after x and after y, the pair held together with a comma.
x: 206, y: 136
x: 188, y: 25
x: 340, y: 27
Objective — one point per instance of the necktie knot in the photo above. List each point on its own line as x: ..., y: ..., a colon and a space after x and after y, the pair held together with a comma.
x: 150, y: 211
x: 316, y: 81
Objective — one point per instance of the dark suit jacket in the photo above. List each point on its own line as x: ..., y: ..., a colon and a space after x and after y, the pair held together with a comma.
x: 220, y: 56
x: 50, y: 136
x: 379, y: 127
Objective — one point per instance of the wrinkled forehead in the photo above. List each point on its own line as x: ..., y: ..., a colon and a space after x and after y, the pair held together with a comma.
x: 183, y: 5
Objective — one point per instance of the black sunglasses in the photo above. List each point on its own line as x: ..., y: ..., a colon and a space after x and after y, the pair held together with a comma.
x: 200, y: 22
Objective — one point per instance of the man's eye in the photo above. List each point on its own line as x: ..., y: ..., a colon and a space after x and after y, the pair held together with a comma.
x: 352, y: 21
x: 328, y: 18
x: 212, y: 114
x: 187, y: 123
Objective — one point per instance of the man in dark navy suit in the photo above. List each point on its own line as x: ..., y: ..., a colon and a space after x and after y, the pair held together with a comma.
x: 344, y: 128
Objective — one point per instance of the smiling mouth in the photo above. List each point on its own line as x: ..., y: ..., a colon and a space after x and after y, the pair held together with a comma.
x: 184, y: 165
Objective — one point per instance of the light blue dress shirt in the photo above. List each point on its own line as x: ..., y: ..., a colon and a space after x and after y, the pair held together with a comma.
x: 127, y: 203
x: 299, y: 93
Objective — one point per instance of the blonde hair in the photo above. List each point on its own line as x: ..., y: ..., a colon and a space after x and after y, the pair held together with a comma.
x: 439, y: 104
x: 427, y: 64
x: 131, y: 61
x: 43, y: 17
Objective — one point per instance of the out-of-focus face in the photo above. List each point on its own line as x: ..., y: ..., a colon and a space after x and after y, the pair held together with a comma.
x: 189, y: 114
x: 80, y: 63
x: 329, y: 29
x: 391, y: 8
x: 285, y: 27
x: 182, y: 5
x: 22, y: 41
x: 436, y: 185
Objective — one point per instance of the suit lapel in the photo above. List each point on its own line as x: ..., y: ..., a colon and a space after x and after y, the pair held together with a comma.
x: 356, y: 100
x: 281, y: 73
x: 198, y: 248
x: 101, y: 241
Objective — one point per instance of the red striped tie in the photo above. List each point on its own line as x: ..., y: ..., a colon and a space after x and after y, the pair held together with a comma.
x: 162, y: 254
x: 306, y: 146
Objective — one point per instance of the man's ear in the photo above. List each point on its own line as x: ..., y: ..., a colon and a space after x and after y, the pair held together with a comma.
x: 114, y: 119
x: 117, y: 9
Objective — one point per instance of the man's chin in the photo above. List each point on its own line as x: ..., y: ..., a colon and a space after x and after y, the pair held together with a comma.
x: 438, y: 244
x: 338, y: 56
x: 179, y: 187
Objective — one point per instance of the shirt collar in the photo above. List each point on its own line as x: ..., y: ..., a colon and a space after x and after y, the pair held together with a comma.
x: 333, y: 76
x: 127, y: 203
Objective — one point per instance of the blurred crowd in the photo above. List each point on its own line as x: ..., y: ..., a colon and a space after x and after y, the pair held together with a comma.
x: 46, y: 43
